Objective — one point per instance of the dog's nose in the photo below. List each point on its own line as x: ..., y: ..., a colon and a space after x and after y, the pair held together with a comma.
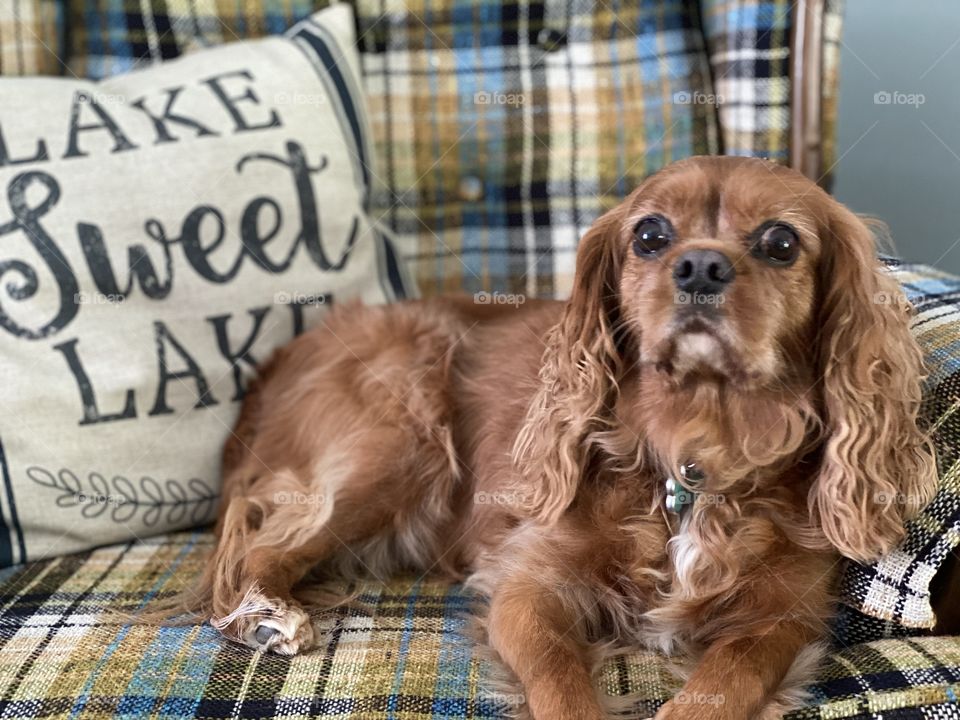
x: 703, y: 271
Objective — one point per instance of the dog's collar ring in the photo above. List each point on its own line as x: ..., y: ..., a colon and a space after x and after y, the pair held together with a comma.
x: 679, y: 497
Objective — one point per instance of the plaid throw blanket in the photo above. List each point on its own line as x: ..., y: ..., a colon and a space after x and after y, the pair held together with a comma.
x: 399, y: 652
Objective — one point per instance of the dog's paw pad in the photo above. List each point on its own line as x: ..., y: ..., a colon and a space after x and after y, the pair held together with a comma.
x: 265, y: 634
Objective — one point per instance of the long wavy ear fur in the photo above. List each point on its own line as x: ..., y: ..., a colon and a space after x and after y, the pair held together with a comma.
x: 578, y: 377
x: 877, y: 468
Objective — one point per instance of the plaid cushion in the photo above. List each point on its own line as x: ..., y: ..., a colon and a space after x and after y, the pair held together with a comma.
x: 31, y: 37
x: 399, y: 651
x: 896, y: 589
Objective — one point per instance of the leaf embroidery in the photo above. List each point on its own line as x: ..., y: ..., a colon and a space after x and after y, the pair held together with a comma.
x: 192, y: 501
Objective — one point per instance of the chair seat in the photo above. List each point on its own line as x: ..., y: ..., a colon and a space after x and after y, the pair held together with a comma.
x: 400, y: 651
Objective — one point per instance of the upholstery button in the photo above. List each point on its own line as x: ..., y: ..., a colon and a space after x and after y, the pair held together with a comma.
x: 550, y: 39
x: 471, y: 188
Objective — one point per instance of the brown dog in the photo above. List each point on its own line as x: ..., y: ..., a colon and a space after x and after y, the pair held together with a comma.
x: 729, y: 328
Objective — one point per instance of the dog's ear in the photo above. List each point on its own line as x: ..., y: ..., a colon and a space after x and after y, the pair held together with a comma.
x: 578, y: 376
x: 877, y: 468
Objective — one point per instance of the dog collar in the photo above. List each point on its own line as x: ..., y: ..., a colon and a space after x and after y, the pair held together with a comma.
x: 679, y: 497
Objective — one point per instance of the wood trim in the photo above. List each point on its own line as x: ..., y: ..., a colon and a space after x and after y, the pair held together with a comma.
x: 806, y: 79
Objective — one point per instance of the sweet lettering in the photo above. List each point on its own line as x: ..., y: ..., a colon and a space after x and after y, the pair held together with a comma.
x: 202, y: 233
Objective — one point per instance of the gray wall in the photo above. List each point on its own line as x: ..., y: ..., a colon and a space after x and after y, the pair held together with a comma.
x: 899, y: 154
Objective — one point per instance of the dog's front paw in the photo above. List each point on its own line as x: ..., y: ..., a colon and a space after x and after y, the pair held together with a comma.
x: 268, y: 624
x: 286, y: 633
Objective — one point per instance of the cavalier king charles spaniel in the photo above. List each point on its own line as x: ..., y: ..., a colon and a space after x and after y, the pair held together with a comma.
x: 676, y: 457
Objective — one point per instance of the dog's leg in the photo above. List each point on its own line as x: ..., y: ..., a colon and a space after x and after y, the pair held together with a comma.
x: 358, y: 491
x: 539, y: 618
x: 735, y: 680
x: 759, y: 643
x: 541, y: 640
x: 252, y: 581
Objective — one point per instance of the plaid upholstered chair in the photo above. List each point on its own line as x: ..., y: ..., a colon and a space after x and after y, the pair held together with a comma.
x: 502, y: 131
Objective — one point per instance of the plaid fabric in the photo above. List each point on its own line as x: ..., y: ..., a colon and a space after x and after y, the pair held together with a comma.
x: 749, y: 44
x: 108, y: 37
x: 399, y: 652
x: 896, y: 588
x: 506, y: 129
x: 31, y: 37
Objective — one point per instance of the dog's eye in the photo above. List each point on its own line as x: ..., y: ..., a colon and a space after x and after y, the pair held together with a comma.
x: 779, y: 245
x: 651, y: 235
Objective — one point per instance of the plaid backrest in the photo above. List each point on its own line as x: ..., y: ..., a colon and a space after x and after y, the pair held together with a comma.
x: 749, y: 45
x: 506, y: 129
x: 503, y: 129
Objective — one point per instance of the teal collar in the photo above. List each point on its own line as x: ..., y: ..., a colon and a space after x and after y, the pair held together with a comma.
x: 679, y: 495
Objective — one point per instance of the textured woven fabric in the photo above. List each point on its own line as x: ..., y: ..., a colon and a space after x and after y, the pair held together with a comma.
x: 749, y: 44
x: 400, y: 651
x: 506, y: 129
x: 897, y: 587
x: 31, y: 37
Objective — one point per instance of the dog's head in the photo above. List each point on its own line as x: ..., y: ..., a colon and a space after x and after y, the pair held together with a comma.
x: 742, y: 273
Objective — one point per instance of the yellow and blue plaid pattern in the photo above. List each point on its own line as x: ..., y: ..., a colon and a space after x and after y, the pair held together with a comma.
x: 401, y: 650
